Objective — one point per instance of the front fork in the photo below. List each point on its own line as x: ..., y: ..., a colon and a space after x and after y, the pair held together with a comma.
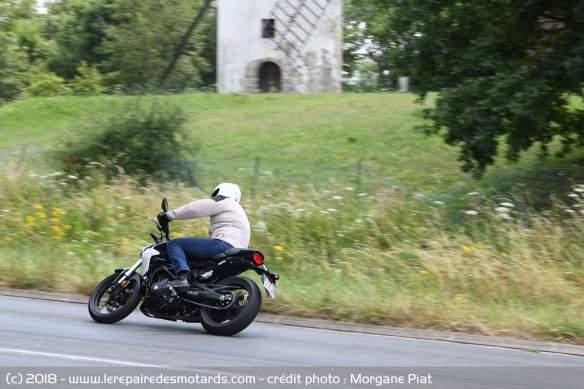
x: 125, y: 274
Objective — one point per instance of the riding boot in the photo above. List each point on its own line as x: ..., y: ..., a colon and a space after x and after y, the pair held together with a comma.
x: 181, y: 282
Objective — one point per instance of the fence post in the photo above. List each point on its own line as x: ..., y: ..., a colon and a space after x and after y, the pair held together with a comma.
x: 256, y: 171
x: 22, y: 156
x: 359, y: 173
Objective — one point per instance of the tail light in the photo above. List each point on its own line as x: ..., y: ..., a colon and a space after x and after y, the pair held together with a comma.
x: 258, y: 259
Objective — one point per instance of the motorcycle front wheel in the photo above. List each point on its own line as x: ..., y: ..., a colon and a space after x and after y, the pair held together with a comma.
x: 109, y: 304
x: 243, y: 305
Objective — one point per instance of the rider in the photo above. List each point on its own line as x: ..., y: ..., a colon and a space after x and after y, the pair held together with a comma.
x: 228, y: 228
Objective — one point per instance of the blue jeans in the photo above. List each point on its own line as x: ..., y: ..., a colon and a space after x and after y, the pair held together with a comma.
x: 195, y: 248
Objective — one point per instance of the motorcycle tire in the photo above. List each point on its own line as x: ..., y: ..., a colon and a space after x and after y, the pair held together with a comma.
x: 108, y: 308
x: 241, y: 313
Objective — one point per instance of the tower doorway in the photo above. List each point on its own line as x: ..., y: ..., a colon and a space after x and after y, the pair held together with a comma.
x: 270, y: 78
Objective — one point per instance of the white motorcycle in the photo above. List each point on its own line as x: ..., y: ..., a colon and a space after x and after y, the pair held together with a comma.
x: 224, y: 302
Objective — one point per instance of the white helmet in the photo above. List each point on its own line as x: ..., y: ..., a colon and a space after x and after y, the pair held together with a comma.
x: 228, y: 190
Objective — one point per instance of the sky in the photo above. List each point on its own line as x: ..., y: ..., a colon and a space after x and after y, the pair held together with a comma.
x: 41, y: 5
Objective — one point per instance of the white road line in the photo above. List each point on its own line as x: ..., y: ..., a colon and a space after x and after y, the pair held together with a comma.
x: 77, y: 357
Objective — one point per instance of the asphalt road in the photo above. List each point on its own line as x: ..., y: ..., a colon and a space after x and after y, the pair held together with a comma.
x: 56, y: 344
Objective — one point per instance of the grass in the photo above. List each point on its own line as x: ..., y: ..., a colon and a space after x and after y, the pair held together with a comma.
x: 307, y: 132
x: 350, y: 249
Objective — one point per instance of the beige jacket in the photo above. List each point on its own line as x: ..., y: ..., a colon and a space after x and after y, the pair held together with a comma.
x: 228, y: 220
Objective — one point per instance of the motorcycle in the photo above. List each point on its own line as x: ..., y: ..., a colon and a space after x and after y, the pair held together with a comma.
x: 224, y: 302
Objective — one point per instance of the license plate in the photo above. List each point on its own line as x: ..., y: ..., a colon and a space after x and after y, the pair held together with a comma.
x: 269, y: 286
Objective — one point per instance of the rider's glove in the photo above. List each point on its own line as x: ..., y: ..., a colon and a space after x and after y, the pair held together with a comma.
x: 163, y: 220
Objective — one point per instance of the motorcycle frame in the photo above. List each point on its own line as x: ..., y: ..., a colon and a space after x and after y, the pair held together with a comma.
x: 205, y: 289
x: 202, y: 290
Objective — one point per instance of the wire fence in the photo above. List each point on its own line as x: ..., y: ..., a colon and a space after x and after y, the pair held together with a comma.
x: 256, y: 175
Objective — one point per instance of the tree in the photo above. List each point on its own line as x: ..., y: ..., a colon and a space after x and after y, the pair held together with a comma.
x: 23, y: 49
x: 131, y: 42
x: 366, y: 40
x: 143, y: 39
x: 504, y: 70
x: 78, y: 28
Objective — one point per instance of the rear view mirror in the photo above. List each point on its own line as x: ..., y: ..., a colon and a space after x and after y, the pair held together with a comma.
x: 164, y: 205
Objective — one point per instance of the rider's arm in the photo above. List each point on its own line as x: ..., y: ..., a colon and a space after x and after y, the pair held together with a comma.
x: 195, y: 209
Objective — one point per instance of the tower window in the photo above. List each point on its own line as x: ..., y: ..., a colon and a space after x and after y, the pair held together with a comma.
x: 268, y: 28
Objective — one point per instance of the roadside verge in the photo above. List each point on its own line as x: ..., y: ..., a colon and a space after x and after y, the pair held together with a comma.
x: 527, y: 345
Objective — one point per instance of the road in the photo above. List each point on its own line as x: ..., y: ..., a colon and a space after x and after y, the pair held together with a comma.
x: 52, y: 344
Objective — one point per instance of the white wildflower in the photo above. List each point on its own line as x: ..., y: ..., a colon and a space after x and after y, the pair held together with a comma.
x: 509, y: 205
x: 261, y: 226
x: 502, y: 209
x: 470, y: 212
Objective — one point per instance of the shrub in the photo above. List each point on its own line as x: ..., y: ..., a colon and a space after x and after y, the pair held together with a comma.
x: 89, y: 81
x: 140, y: 139
x: 46, y: 84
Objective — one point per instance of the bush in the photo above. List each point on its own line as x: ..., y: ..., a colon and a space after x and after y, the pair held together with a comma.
x: 46, y: 84
x: 140, y: 139
x: 89, y: 81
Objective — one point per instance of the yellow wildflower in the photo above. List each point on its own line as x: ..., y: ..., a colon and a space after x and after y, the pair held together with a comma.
x: 278, y: 248
x: 279, y: 259
x: 57, y: 212
x: 465, y: 248
x: 59, y: 233
x: 424, y: 271
x: 30, y: 221
x: 461, y: 298
x: 39, y: 207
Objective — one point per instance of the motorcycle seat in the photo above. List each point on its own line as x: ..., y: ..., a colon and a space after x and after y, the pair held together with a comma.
x: 235, y: 251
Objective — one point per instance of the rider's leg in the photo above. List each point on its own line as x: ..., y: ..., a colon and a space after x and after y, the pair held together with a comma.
x: 198, y: 248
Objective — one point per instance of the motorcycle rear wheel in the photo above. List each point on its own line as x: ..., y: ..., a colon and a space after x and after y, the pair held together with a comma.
x: 110, y: 306
x: 241, y: 312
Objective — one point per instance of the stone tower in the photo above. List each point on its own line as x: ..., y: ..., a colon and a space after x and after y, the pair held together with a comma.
x: 279, y: 45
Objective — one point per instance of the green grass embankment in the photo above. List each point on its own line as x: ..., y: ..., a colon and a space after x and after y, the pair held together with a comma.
x: 319, y: 175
